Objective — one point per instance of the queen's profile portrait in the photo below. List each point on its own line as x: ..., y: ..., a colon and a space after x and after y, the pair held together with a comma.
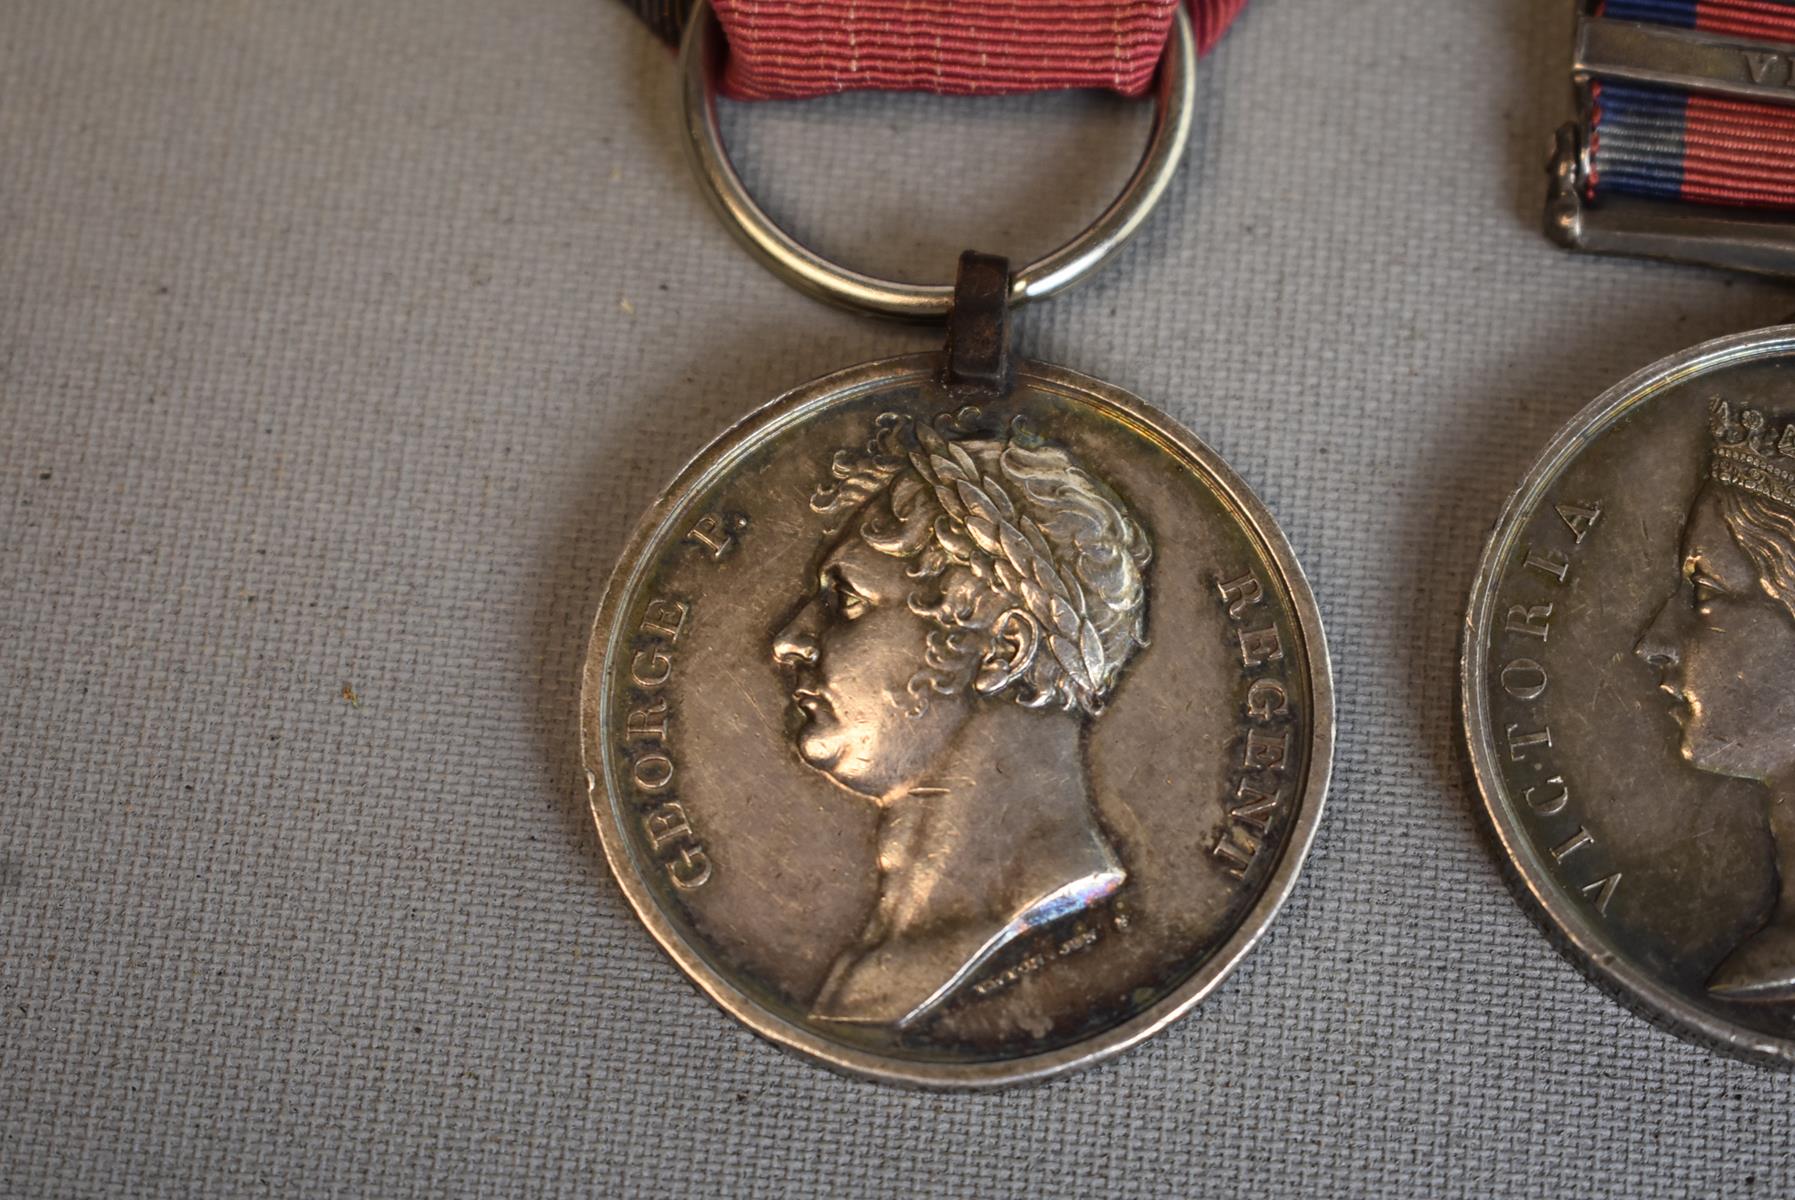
x: 976, y: 597
x: 1724, y: 647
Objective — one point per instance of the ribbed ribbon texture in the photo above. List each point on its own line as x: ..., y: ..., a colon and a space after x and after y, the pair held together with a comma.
x: 1677, y: 145
x: 789, y: 49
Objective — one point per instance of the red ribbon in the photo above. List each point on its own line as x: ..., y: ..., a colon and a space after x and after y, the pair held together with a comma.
x: 790, y: 49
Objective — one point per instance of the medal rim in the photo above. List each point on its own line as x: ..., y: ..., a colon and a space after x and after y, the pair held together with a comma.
x: 1568, y: 927
x: 792, y: 407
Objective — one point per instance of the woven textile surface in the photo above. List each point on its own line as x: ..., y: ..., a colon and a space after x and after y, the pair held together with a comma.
x: 342, y: 343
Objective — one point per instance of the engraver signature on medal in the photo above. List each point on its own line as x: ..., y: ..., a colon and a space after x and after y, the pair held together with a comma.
x: 923, y: 748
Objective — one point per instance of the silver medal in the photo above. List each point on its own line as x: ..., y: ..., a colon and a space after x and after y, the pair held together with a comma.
x: 1629, y: 690
x: 957, y: 720
x: 1626, y: 666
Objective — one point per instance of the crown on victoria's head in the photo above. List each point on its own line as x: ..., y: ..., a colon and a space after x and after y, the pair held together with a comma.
x: 1752, y: 453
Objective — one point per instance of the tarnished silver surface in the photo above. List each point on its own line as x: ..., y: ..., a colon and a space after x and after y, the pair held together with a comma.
x: 957, y: 746
x: 1726, y: 64
x: 1629, y: 690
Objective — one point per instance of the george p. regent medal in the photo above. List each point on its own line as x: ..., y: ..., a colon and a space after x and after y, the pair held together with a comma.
x: 1629, y: 656
x: 955, y: 719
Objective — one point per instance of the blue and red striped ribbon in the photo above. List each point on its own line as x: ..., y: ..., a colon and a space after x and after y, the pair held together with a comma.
x: 1675, y: 145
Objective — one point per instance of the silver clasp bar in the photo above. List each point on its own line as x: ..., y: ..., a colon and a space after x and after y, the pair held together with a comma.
x: 1743, y: 68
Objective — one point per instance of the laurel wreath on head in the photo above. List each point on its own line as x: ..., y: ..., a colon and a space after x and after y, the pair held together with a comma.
x: 1002, y: 545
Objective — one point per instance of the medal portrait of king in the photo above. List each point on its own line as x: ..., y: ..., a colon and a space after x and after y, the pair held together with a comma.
x: 1724, y: 647
x: 977, y: 596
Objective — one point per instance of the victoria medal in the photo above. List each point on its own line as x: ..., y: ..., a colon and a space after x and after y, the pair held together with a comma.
x: 1626, y: 709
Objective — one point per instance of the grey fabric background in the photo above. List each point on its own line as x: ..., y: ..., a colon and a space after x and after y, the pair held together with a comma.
x: 340, y: 345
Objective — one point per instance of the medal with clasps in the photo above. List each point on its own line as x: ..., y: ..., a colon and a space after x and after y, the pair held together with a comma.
x: 1629, y: 657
